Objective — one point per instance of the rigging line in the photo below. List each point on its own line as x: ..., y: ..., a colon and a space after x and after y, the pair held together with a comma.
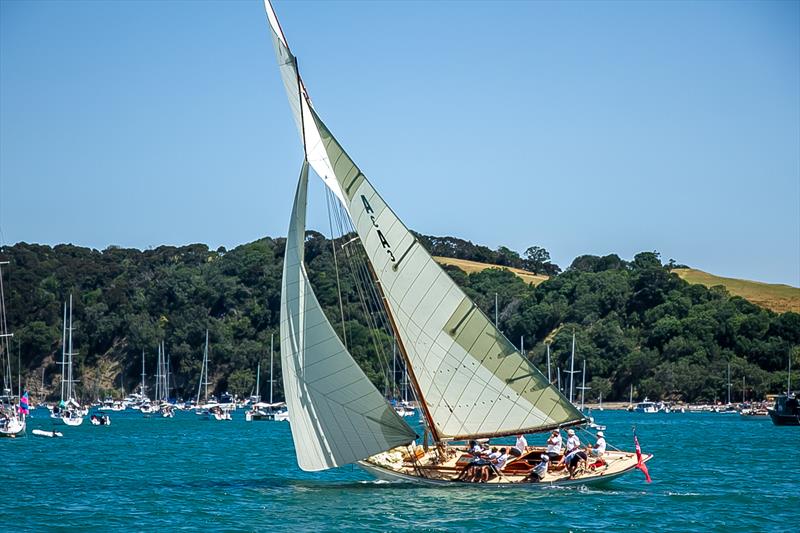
x: 328, y: 194
x: 377, y: 313
x: 369, y: 317
x: 363, y: 283
x: 371, y: 283
x: 359, y: 289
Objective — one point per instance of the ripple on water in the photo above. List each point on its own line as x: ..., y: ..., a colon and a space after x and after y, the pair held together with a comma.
x: 186, y: 474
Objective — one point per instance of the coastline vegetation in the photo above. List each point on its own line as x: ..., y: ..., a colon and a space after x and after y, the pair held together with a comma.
x: 637, y: 323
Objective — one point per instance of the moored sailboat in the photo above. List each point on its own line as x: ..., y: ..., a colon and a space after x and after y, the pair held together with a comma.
x: 68, y: 411
x: 469, y: 380
x: 273, y: 411
x: 13, y: 408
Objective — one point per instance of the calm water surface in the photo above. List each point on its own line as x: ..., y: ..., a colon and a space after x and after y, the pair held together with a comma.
x: 711, y: 472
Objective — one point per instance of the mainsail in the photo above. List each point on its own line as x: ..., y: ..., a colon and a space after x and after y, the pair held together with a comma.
x: 337, y: 415
x: 470, y: 379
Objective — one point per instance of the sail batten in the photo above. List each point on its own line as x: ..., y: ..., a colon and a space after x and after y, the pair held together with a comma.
x: 337, y: 415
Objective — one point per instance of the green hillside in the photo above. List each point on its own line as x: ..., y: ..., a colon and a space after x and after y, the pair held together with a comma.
x: 636, y: 323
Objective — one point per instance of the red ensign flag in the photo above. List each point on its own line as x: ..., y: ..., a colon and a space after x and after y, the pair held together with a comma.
x: 640, y: 465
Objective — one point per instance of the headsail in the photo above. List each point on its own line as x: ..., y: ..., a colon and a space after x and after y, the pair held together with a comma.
x: 337, y: 415
x: 471, y: 379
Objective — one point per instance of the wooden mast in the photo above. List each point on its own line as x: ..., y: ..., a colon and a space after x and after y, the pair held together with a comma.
x: 409, y: 368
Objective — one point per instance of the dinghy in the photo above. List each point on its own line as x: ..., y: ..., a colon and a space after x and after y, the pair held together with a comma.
x: 50, y: 434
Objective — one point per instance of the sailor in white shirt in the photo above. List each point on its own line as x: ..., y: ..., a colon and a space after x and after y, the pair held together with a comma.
x: 497, y: 460
x: 521, y: 443
x: 572, y: 441
x: 599, y: 448
x: 554, y: 444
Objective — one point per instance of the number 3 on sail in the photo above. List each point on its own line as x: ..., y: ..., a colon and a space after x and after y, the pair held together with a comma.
x: 470, y: 382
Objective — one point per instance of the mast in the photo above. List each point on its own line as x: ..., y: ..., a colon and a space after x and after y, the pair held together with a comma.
x: 258, y: 381
x: 495, y: 311
x: 143, y: 374
x: 166, y: 387
x: 549, y: 377
x: 271, y: 360
x: 5, y: 336
x: 204, y: 372
x: 64, y: 352
x: 789, y: 377
x: 572, y: 371
x: 583, y: 388
x: 630, y: 401
x: 156, y: 397
x: 729, y: 384
x: 70, y: 391
x: 406, y: 360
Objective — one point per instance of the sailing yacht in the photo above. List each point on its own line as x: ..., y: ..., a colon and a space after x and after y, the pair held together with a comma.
x: 12, y: 407
x: 267, y: 410
x: 469, y: 380
x: 209, y: 408
x: 69, y: 410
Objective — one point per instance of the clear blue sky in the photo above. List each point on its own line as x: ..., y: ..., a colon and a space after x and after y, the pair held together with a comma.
x: 586, y: 128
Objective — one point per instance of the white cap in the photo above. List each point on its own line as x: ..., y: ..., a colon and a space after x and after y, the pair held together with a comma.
x: 600, y: 434
x: 570, y: 432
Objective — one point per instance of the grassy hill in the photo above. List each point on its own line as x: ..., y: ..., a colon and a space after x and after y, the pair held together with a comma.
x: 777, y: 297
x: 473, y: 266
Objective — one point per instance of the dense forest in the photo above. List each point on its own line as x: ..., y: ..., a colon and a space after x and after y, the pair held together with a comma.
x: 635, y: 322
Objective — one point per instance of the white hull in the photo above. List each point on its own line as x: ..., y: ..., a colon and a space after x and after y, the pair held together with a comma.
x: 73, y: 421
x: 14, y: 427
x: 49, y: 434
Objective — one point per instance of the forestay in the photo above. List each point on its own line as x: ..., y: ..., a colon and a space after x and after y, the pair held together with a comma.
x: 471, y: 378
x: 337, y: 415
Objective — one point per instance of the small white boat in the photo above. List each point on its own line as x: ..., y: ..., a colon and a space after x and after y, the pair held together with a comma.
x: 646, y: 407
x: 405, y: 409
x: 12, y: 426
x: 71, y: 418
x: 50, y: 434
x: 110, y: 405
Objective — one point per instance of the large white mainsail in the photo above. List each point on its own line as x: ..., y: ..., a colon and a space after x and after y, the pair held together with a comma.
x: 337, y: 415
x: 471, y: 379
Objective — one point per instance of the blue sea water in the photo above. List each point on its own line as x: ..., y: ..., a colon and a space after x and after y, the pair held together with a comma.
x: 711, y: 472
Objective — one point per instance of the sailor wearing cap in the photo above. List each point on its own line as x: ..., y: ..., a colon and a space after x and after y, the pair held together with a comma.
x: 554, y: 445
x: 572, y: 441
x: 599, y: 448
